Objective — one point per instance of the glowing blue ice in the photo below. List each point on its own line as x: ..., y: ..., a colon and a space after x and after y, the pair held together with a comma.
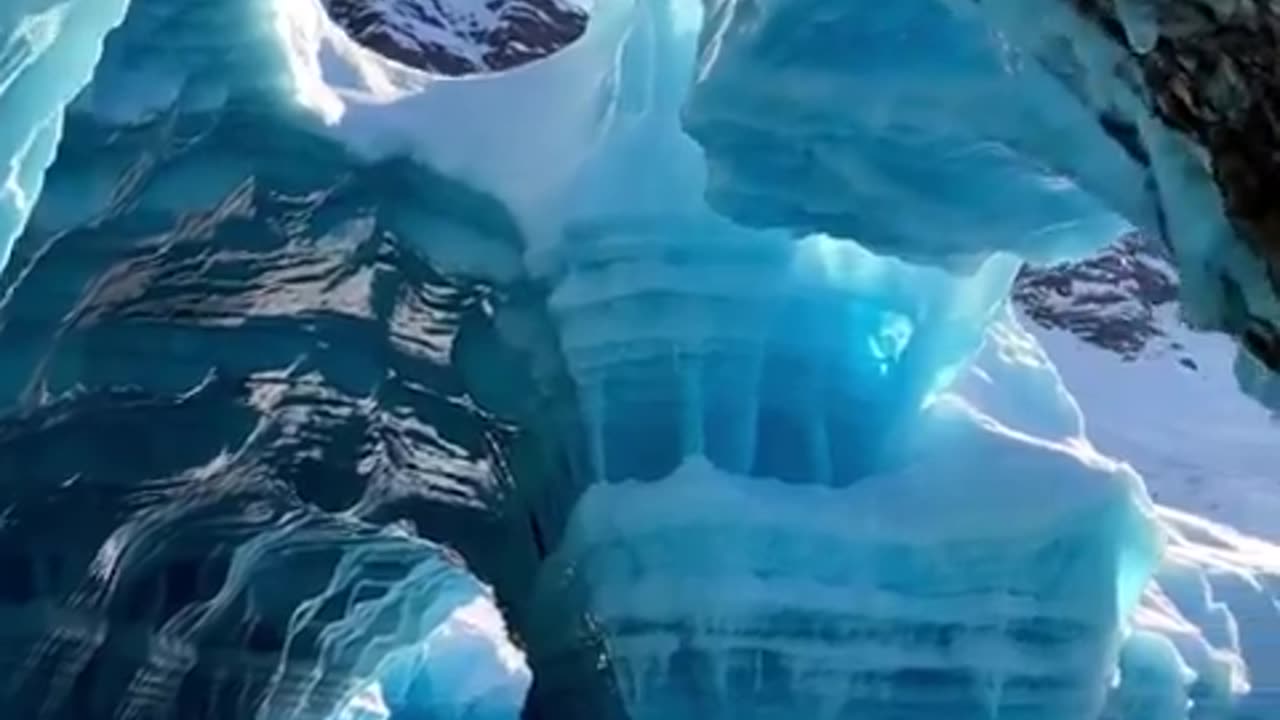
x: 910, y: 126
x: 47, y: 52
x: 794, y: 511
x: 826, y: 478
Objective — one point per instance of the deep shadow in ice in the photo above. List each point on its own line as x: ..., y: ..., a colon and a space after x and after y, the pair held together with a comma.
x: 275, y: 383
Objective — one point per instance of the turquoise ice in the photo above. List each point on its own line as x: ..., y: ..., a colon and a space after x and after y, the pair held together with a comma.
x: 826, y: 474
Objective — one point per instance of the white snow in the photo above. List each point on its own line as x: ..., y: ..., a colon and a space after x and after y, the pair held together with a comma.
x: 475, y: 130
x: 1210, y: 457
x: 1202, y: 446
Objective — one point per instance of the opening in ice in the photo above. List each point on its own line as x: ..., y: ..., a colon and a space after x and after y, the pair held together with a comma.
x: 692, y: 335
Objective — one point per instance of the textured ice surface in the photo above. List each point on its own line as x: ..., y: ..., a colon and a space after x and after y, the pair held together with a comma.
x: 47, y: 52
x: 879, y: 122
x: 215, y: 490
x: 794, y: 511
x: 798, y: 493
x: 876, y: 122
x: 906, y: 594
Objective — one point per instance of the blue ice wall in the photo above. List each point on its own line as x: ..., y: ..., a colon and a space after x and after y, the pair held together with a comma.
x: 742, y: 326
x: 47, y: 52
x: 688, y: 334
x: 911, y: 127
x: 233, y: 439
x: 837, y: 117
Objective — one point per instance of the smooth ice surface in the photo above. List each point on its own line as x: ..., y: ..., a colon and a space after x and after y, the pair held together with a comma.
x: 938, y: 130
x: 1224, y: 283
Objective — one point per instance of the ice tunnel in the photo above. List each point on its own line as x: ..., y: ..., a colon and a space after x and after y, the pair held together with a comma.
x: 669, y: 375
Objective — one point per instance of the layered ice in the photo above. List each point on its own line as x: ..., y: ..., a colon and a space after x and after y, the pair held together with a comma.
x: 904, y: 595
x: 208, y: 597
x: 181, y: 536
x: 48, y: 51
x: 793, y: 509
x: 825, y: 474
x: 878, y: 122
x: 911, y: 127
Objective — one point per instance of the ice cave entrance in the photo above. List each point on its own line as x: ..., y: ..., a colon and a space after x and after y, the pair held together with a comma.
x: 466, y: 669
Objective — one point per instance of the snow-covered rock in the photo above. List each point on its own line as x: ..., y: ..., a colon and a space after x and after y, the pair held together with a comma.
x: 457, y: 37
x: 1111, y: 300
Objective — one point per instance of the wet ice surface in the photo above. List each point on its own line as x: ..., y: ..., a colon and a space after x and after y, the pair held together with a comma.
x: 322, y: 327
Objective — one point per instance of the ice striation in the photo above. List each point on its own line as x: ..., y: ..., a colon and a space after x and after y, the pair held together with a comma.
x: 1156, y: 111
x: 897, y: 596
x: 49, y: 52
x: 711, y: 380
x: 264, y: 541
x: 253, y: 523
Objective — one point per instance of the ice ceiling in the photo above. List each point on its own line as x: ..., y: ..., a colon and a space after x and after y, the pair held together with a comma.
x: 747, y: 265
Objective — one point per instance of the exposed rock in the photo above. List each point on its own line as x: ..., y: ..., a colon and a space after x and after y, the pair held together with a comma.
x: 1109, y: 300
x: 1210, y: 71
x: 459, y: 37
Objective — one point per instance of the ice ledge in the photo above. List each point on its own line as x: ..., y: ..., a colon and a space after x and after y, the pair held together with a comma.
x: 1157, y: 112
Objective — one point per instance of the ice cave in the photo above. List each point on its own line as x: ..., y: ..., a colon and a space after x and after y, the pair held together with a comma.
x: 639, y: 360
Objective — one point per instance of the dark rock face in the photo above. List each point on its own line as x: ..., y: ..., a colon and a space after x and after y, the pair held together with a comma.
x: 453, y: 37
x: 1211, y: 75
x: 1110, y: 300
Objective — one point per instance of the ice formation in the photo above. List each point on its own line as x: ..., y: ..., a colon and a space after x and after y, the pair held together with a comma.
x: 901, y: 595
x: 49, y: 51
x: 907, y: 107
x: 814, y: 467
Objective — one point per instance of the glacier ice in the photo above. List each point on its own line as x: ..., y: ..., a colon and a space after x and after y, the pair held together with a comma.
x: 907, y: 107
x: 791, y: 549
x: 196, y: 556
x: 896, y: 108
x: 231, y: 603
x: 47, y: 52
x: 465, y: 668
x: 806, y: 463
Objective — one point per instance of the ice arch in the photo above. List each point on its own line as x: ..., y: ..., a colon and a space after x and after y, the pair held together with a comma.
x: 723, y: 368
x: 936, y: 103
